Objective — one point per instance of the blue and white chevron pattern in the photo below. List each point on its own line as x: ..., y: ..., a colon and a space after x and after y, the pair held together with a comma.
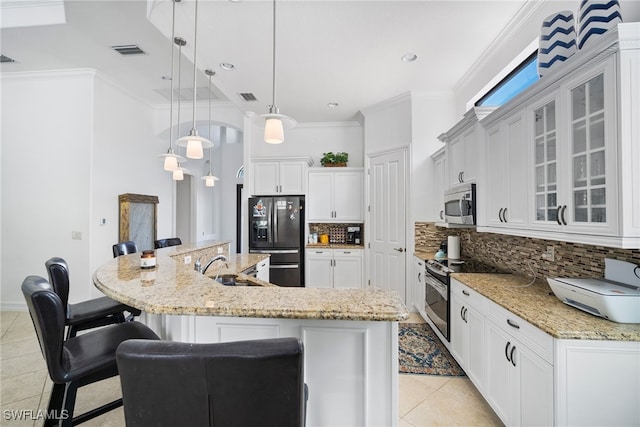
x: 595, y: 18
x: 557, y: 40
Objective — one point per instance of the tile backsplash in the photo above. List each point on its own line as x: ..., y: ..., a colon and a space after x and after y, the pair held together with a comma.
x: 516, y: 254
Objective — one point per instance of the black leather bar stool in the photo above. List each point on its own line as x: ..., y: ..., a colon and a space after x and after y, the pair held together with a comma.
x: 165, y: 243
x: 87, y: 314
x: 78, y: 361
x: 124, y: 248
x: 243, y: 383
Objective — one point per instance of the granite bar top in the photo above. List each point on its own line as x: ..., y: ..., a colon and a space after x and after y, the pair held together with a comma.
x: 173, y: 287
x: 539, y: 306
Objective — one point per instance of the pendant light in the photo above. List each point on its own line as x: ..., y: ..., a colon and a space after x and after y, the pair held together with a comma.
x: 195, y: 144
x: 274, y: 121
x: 171, y: 159
x: 178, y: 173
x: 209, y: 179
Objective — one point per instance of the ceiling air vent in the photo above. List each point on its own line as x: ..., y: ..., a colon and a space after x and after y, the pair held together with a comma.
x: 247, y: 96
x: 128, y: 49
x: 4, y: 59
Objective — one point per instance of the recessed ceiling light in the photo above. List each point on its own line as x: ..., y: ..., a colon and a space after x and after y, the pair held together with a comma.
x: 227, y: 66
x: 409, y: 57
x: 332, y: 104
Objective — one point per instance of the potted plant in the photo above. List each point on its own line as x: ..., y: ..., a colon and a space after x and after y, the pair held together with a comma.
x: 334, y: 159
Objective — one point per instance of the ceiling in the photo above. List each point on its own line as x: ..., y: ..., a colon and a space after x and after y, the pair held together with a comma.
x: 345, y: 52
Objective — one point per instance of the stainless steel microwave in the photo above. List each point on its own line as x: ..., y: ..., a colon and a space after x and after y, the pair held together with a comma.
x: 460, y: 205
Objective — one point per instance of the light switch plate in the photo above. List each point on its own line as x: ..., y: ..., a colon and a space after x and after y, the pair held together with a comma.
x: 187, y: 259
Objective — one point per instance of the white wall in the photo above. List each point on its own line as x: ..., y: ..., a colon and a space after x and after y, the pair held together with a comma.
x: 46, y: 147
x: 313, y: 139
x: 430, y: 112
x: 388, y: 124
x: 124, y: 160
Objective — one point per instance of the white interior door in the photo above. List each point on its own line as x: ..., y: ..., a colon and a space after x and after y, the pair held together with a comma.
x: 387, y: 230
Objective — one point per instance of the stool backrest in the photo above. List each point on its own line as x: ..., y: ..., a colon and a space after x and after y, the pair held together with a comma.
x: 124, y: 248
x: 244, y: 383
x: 48, y: 316
x: 58, y: 272
x: 165, y: 243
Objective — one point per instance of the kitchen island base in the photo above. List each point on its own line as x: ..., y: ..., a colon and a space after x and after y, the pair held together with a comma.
x: 351, y: 367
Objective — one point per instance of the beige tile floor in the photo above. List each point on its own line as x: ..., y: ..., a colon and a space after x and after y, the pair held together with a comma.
x: 425, y: 400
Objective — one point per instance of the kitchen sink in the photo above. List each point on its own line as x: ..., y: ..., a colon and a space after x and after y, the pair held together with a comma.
x: 234, y: 280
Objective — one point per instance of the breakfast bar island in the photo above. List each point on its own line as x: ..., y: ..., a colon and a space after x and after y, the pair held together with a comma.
x: 350, y: 336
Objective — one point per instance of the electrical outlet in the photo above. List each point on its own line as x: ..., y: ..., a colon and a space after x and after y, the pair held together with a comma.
x: 220, y: 250
x: 187, y: 259
x: 550, y: 254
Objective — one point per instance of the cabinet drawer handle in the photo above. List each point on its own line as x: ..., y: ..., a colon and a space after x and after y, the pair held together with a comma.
x: 564, y: 209
x: 506, y: 350
x: 513, y: 361
x: 346, y: 252
x: 513, y: 324
x: 465, y: 293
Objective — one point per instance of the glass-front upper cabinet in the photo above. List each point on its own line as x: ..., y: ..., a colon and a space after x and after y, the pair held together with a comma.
x: 587, y: 201
x: 589, y: 181
x: 546, y: 163
x: 574, y: 144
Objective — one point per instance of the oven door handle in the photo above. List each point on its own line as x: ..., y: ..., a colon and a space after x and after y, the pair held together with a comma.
x: 433, y: 271
x: 440, y: 287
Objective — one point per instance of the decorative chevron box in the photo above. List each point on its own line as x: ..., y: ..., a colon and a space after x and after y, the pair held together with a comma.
x: 557, y: 41
x: 595, y: 18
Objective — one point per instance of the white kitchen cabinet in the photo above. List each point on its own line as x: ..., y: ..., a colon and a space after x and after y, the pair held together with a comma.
x: 335, y: 195
x: 464, y: 143
x: 334, y: 268
x: 279, y: 176
x: 519, y: 372
x: 580, y: 182
x: 418, y: 296
x: 506, y: 164
x: 263, y: 270
x: 440, y: 183
x: 467, y: 331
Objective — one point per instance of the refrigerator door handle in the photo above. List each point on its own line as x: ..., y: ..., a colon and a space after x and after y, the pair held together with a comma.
x: 281, y: 266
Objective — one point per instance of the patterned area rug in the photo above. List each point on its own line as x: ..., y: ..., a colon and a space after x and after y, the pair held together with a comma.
x: 421, y: 352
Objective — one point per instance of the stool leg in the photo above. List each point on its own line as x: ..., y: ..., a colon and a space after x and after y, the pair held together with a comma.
x: 55, y: 405
x: 70, y: 393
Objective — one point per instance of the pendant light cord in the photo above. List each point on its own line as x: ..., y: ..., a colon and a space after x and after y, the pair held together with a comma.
x: 173, y: 49
x: 274, y: 58
x: 179, y: 85
x: 195, y: 51
x: 210, y: 149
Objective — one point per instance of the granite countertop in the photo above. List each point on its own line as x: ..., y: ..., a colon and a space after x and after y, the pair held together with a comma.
x: 173, y: 287
x: 539, y: 306
x: 333, y: 246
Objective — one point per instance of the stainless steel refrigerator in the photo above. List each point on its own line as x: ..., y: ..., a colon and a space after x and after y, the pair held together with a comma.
x: 276, y: 227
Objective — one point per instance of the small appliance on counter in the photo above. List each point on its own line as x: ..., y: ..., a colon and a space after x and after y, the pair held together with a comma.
x: 616, y: 297
x: 353, y: 235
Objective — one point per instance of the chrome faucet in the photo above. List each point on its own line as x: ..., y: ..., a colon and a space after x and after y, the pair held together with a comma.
x: 203, y: 270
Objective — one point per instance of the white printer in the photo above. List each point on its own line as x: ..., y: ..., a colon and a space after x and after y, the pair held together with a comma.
x: 616, y: 297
